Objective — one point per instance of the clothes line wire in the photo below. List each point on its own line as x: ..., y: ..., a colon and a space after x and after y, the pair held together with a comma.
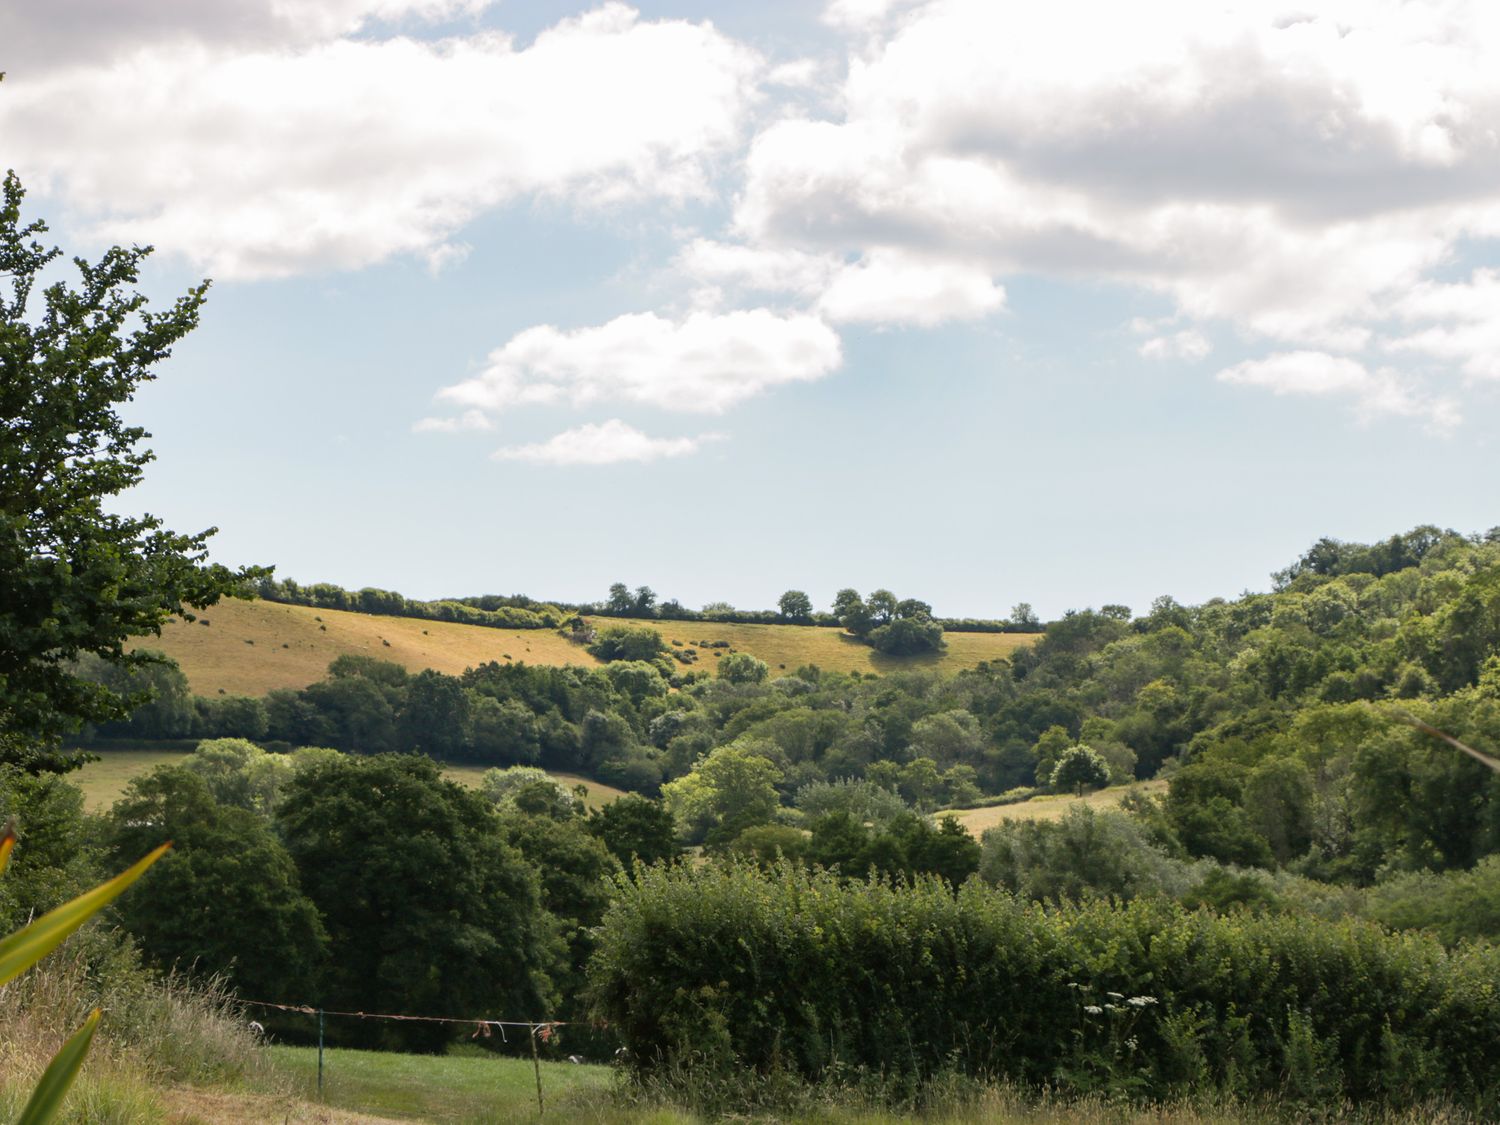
x: 308, y: 1010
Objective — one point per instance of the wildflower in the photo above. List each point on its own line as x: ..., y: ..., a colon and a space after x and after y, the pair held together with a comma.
x: 1141, y: 1001
x: 1092, y: 1009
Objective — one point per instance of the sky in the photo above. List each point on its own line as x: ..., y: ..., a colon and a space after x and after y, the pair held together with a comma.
x: 981, y: 302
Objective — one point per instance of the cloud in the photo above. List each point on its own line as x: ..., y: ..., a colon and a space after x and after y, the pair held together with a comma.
x: 68, y: 33
x: 704, y: 363
x: 1188, y: 344
x: 343, y: 152
x: 468, y: 420
x: 762, y: 269
x: 892, y: 287
x: 1292, y: 176
x: 1467, y: 332
x: 1319, y: 374
x: 608, y: 443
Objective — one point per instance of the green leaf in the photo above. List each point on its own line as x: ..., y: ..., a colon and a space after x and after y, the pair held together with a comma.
x: 48, y: 1096
x: 25, y: 948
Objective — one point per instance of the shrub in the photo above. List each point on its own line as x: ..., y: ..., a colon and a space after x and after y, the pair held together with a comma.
x: 797, y: 972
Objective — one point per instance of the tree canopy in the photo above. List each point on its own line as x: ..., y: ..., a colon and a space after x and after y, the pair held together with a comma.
x: 76, y: 576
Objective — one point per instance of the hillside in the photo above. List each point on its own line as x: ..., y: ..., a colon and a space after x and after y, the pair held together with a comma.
x: 1051, y: 807
x: 250, y: 648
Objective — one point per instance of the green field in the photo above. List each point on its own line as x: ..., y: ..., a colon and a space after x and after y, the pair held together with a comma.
x: 251, y: 648
x: 446, y: 1088
x: 103, y: 781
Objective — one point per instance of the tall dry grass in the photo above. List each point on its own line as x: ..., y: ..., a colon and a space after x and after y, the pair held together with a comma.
x: 156, y: 1032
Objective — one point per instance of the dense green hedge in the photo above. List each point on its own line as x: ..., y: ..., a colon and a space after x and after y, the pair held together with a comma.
x: 797, y: 972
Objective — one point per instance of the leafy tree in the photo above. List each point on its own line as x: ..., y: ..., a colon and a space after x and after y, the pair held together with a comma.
x: 882, y: 605
x: 852, y: 612
x: 56, y: 860
x: 168, y: 710
x: 427, y: 908
x: 501, y: 787
x: 795, y: 605
x: 907, y: 636
x: 239, y: 773
x: 742, y: 668
x: 620, y: 599
x: 732, y: 789
x: 1023, y: 617
x: 576, y: 871
x: 503, y: 731
x: 76, y: 575
x: 435, y: 718
x: 621, y: 642
x: 644, y: 602
x: 636, y: 828
x: 1078, y: 769
x: 227, y: 898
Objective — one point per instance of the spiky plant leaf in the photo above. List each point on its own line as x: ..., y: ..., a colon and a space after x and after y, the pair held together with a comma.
x: 24, y: 948
x: 48, y: 1096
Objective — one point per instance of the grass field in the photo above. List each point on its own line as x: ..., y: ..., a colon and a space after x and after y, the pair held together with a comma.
x: 250, y: 648
x: 1050, y: 808
x: 446, y: 1088
x: 103, y: 781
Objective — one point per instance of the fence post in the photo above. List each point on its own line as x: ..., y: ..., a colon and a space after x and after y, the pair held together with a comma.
x: 320, y: 1054
x: 537, y: 1063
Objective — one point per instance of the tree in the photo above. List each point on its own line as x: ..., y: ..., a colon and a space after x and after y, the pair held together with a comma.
x: 852, y: 612
x: 620, y: 599
x: 428, y: 909
x: 76, y: 575
x: 882, y: 605
x: 907, y: 636
x: 621, y: 642
x: 636, y: 828
x: 1078, y: 769
x: 795, y: 606
x: 239, y: 773
x: 732, y: 789
x: 227, y: 898
x: 1023, y: 617
x: 742, y: 668
x: 644, y: 602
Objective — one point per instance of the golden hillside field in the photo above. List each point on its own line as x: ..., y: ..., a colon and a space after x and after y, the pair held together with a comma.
x: 103, y: 781
x: 1052, y: 807
x: 250, y: 648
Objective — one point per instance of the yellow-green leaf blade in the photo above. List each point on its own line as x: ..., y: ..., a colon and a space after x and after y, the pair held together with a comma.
x: 7, y: 841
x: 24, y: 948
x: 48, y: 1096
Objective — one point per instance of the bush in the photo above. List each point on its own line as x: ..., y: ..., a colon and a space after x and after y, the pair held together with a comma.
x: 797, y: 972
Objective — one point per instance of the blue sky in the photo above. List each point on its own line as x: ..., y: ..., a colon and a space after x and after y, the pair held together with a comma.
x: 980, y: 302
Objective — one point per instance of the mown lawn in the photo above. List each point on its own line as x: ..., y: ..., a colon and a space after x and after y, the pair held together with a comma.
x: 446, y: 1088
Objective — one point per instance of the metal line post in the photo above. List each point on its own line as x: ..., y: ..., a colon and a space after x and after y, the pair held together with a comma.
x: 320, y: 1054
x: 537, y: 1063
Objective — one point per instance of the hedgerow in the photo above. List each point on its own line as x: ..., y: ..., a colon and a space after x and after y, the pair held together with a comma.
x: 796, y: 973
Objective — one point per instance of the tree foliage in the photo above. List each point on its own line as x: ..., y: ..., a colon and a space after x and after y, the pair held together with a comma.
x: 77, y: 576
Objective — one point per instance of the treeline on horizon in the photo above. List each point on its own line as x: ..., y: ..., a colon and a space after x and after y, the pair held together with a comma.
x: 518, y: 611
x: 1259, y: 709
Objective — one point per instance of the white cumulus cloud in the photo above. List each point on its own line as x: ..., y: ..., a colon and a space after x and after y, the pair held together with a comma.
x: 893, y: 287
x: 341, y: 152
x: 607, y: 443
x: 1374, y: 393
x: 703, y: 363
x: 1188, y: 344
